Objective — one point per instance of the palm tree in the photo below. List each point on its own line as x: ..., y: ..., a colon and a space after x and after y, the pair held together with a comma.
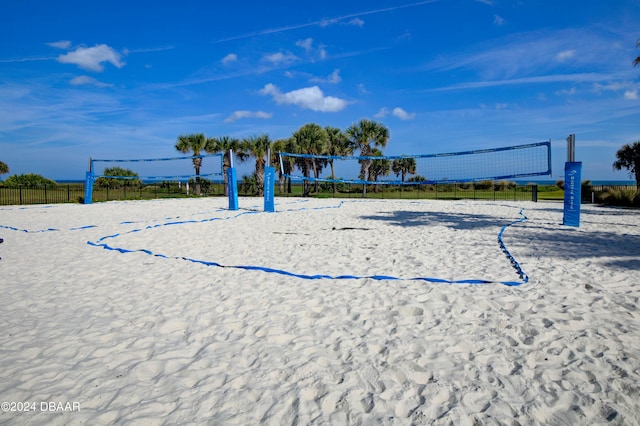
x: 378, y: 168
x: 337, y: 145
x: 403, y: 167
x: 195, y: 143
x: 224, y: 144
x: 4, y: 169
x: 311, y: 139
x: 628, y: 157
x: 257, y: 147
x: 361, y: 135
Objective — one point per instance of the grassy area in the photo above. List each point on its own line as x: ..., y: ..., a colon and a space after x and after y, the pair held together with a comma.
x: 428, y: 192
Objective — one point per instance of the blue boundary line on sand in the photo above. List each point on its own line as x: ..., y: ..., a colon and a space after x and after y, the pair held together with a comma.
x: 171, y: 221
x: 515, y: 264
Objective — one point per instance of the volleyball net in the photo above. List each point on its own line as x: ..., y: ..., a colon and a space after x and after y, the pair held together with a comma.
x: 510, y: 162
x: 106, y: 172
x: 158, y: 169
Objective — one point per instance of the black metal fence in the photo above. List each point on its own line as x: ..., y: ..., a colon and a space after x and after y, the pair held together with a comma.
x: 41, y: 194
x: 74, y: 193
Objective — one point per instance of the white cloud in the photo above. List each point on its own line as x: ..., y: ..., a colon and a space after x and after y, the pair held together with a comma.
x: 333, y: 78
x: 356, y: 22
x: 306, y: 44
x: 237, y: 115
x: 529, y: 54
x: 402, y: 114
x: 326, y: 22
x: 565, y: 55
x: 631, y: 95
x: 86, y: 80
x: 62, y: 44
x: 396, y: 112
x: 280, y: 58
x: 498, y: 20
x: 231, y: 57
x: 384, y: 111
x: 91, y: 58
x: 568, y: 92
x: 612, y: 87
x: 362, y: 89
x: 322, y: 52
x: 307, y: 98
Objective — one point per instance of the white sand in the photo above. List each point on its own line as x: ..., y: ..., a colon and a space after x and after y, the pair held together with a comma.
x: 137, y: 338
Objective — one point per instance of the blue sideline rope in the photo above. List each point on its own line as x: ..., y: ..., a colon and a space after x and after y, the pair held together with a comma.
x: 45, y: 230
x: 172, y: 222
x: 522, y: 275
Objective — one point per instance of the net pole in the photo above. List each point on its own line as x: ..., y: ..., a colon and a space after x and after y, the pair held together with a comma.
x: 232, y: 183
x: 269, y: 184
x: 88, y: 184
x: 572, y: 186
x: 571, y: 148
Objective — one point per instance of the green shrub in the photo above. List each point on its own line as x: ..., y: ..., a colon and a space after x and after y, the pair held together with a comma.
x: 505, y: 184
x: 29, y: 179
x: 621, y: 197
x: 484, y: 185
x: 129, y: 178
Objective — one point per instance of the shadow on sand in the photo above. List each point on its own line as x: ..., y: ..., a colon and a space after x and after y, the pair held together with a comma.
x: 458, y: 221
x: 536, y: 240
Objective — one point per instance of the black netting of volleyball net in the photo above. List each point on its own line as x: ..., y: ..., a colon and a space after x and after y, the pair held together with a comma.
x: 469, y: 166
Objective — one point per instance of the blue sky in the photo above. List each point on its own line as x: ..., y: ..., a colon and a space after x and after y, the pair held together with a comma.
x: 123, y: 79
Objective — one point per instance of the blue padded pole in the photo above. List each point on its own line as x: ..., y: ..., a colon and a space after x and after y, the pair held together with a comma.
x: 572, y: 193
x: 269, y: 189
x: 88, y: 184
x: 232, y: 182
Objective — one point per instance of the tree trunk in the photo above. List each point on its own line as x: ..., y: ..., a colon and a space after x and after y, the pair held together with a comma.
x: 196, y: 164
x: 225, y: 165
x: 315, y: 173
x: 365, y: 177
x: 333, y: 176
x: 260, y: 179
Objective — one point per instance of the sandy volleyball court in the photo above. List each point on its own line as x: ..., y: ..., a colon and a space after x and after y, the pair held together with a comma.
x: 182, y: 312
